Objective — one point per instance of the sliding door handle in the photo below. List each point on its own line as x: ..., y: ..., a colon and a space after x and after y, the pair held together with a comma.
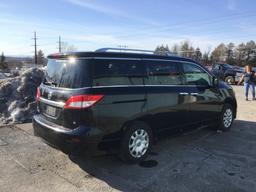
x: 183, y: 93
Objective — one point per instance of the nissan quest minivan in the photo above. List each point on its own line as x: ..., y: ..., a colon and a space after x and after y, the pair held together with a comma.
x: 124, y: 99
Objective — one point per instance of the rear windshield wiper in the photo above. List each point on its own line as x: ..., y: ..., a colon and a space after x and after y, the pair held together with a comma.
x: 50, y: 83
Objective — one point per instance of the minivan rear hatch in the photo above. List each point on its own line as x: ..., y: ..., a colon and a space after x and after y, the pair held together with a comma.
x: 63, y: 79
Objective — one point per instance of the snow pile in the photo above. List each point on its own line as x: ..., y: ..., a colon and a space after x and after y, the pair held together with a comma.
x: 2, y: 76
x: 17, y: 96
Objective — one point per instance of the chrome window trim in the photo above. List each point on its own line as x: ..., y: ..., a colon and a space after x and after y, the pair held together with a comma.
x: 63, y: 88
x: 177, y: 61
x: 119, y: 58
x: 117, y: 86
x: 109, y: 86
x: 53, y: 103
x: 199, y: 67
x: 195, y: 64
x: 135, y: 59
x: 110, y: 58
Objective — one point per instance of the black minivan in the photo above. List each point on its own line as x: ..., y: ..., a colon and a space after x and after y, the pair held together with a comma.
x: 124, y: 99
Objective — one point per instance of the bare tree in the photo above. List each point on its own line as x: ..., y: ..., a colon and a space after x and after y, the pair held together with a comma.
x: 175, y: 49
x: 250, y: 49
x: 198, y: 54
x: 219, y: 53
x: 67, y: 47
x: 230, y: 52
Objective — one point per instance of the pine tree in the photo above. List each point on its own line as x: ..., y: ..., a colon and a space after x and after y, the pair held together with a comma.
x: 162, y: 50
x: 40, y: 57
x: 3, y: 64
x: 198, y: 54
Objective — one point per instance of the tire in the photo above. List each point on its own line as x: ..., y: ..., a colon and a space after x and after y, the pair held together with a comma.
x: 227, y: 117
x: 230, y: 80
x: 136, y: 143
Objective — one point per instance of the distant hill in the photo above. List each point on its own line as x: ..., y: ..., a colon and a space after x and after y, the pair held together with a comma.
x: 18, y: 61
x: 18, y: 58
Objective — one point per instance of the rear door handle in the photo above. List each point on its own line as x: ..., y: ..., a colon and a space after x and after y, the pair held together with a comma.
x: 194, y: 94
x: 183, y: 93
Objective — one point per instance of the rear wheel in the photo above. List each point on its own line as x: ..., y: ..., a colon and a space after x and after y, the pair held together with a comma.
x: 227, y: 117
x: 136, y: 143
x: 230, y: 80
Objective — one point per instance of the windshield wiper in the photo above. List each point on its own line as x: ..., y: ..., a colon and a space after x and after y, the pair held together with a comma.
x: 50, y: 83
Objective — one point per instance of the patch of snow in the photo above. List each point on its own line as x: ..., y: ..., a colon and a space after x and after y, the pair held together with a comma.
x: 17, y: 96
x: 2, y: 76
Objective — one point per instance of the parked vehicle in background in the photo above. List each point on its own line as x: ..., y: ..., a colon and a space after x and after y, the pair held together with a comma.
x: 125, y: 100
x: 228, y: 73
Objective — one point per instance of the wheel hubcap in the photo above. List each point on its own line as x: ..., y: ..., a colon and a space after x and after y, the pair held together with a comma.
x: 229, y: 81
x: 138, y: 143
x: 227, y: 118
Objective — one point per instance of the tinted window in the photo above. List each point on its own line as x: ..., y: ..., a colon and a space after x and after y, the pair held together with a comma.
x: 227, y: 66
x: 67, y: 73
x: 163, y: 73
x: 118, y: 72
x: 216, y: 67
x: 195, y: 75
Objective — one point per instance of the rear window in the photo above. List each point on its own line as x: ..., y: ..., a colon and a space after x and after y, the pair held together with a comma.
x: 70, y: 73
x: 118, y: 72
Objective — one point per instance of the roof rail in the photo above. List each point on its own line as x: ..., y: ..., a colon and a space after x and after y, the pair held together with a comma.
x: 172, y: 54
x: 124, y: 50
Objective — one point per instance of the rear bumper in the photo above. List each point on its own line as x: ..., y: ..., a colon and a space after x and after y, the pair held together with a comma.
x: 64, y: 138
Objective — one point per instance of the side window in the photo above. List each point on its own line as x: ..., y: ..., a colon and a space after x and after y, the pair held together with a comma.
x: 163, y: 73
x: 194, y: 75
x: 216, y: 67
x: 118, y: 72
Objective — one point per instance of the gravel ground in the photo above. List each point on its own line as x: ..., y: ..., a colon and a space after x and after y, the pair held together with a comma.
x: 201, y: 160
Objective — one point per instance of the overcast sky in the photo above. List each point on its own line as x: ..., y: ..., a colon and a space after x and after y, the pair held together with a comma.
x: 92, y: 24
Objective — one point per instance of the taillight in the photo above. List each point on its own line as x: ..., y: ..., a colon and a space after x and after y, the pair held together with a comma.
x: 37, y: 93
x: 82, y: 101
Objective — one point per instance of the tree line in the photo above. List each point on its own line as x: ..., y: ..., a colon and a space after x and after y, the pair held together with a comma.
x: 241, y: 55
x: 3, y: 63
x: 7, y: 64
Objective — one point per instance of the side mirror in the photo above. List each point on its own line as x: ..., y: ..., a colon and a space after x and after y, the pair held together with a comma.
x: 215, y: 81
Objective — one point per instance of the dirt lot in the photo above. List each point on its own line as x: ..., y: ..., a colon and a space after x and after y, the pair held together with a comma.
x: 202, y: 160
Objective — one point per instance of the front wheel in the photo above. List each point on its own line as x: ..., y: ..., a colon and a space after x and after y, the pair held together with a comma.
x: 136, y: 143
x: 230, y: 80
x: 227, y: 117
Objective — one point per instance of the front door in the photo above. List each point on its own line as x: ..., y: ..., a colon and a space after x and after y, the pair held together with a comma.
x: 204, y: 102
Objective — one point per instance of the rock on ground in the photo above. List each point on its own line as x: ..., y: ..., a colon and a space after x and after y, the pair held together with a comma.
x: 17, y: 96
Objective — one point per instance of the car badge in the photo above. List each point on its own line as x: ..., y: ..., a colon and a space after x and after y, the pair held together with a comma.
x: 49, y: 95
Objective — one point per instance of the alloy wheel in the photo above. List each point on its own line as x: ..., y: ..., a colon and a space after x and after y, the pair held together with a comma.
x: 227, y: 118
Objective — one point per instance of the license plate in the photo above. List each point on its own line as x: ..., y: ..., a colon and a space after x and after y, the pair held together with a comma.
x: 50, y: 111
